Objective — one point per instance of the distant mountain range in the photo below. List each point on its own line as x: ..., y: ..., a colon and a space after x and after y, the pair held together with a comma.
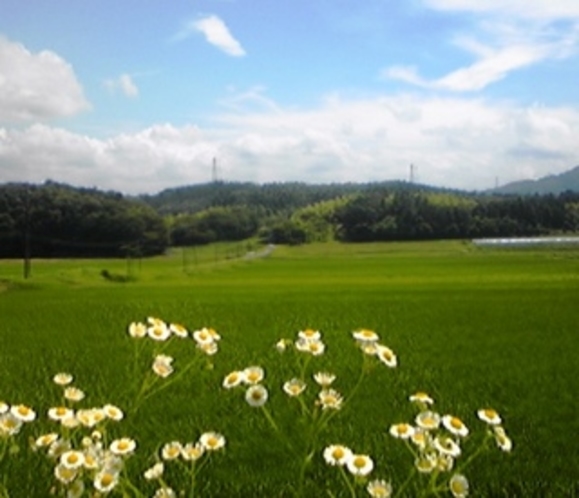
x: 552, y: 184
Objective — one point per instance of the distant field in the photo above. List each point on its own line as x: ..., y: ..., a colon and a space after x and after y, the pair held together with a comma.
x: 472, y: 327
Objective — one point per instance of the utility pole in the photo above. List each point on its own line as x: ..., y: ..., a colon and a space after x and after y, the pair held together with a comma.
x: 27, y: 262
x: 412, y: 173
x: 214, y: 176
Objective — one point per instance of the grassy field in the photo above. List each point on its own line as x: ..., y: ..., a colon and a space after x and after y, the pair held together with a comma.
x: 471, y: 327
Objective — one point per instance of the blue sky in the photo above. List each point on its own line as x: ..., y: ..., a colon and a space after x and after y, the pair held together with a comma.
x: 141, y: 95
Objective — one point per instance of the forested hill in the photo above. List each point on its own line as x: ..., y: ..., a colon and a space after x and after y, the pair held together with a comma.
x: 552, y: 184
x: 55, y: 220
x: 269, y: 197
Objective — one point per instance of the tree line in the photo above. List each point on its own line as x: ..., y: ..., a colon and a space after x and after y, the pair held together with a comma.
x: 57, y: 220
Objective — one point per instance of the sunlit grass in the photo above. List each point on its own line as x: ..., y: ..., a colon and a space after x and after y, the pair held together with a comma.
x: 472, y: 328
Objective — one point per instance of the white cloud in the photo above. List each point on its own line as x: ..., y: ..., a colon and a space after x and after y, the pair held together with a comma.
x: 500, y: 48
x: 217, y: 33
x: 535, y: 9
x: 37, y: 86
x: 453, y: 142
x: 125, y: 84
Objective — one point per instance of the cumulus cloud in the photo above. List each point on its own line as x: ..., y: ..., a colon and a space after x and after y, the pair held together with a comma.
x: 216, y: 33
x: 36, y: 86
x: 453, y: 142
x: 125, y: 84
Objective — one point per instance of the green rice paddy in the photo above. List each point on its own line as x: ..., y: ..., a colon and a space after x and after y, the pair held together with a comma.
x: 472, y: 327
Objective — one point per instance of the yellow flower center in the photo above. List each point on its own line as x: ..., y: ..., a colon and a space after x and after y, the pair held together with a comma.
x: 456, y: 423
x: 107, y: 479
x: 457, y: 487
x: 359, y: 462
x: 338, y: 453
x: 23, y: 410
x: 490, y: 413
x: 253, y: 376
x: 72, y: 458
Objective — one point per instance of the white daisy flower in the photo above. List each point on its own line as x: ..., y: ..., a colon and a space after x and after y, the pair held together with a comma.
x: 256, y: 395
x: 212, y: 441
x: 386, y: 356
x: 253, y: 375
x: 171, y: 451
x: 58, y: 413
x: 445, y: 463
x: 203, y: 336
x: 154, y: 472
x: 421, y: 438
x: 105, y: 481
x: 428, y: 420
x: 178, y: 330
x: 72, y: 459
x: 64, y: 474
x: 455, y: 425
x: 458, y: 486
x: 73, y: 394
x: 23, y: 413
x: 294, y: 387
x: 309, y: 335
x: 233, y: 379
x: 422, y: 398
x: 504, y: 442
x: 324, y: 379
x: 137, y: 330
x: 113, y: 412
x: 70, y: 422
x: 426, y: 463
x: 365, y: 335
x: 165, y: 492
x: 209, y: 349
x: 402, y: 431
x: 162, y: 365
x: 122, y: 447
x: 155, y: 322
x: 447, y: 446
x: 313, y: 347
x: 360, y: 465
x: 379, y: 489
x: 159, y: 332
x: 192, y: 451
x: 45, y: 440
x: 9, y: 424
x: 92, y: 458
x: 281, y: 345
x: 4, y: 407
x: 90, y: 417
x: 489, y: 416
x: 62, y: 379
x: 330, y: 399
x: 337, y: 454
